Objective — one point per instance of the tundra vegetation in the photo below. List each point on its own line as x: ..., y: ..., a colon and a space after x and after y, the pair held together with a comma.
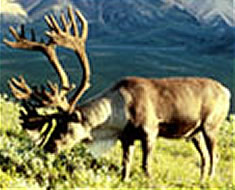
x: 175, y: 164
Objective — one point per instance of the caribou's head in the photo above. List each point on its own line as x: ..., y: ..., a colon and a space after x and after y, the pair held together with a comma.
x: 54, y: 131
x: 64, y: 135
x: 62, y: 127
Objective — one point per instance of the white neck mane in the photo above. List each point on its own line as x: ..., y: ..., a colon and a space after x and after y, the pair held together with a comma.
x: 106, y: 115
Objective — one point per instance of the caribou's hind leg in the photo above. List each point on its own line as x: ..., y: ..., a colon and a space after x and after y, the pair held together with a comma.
x: 209, y: 131
x: 210, y: 140
x: 199, y: 144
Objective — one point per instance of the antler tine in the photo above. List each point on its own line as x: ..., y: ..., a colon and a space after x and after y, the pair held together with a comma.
x: 66, y: 25
x: 48, y: 21
x: 15, y: 35
x: 84, y: 25
x: 54, y: 23
x: 20, y: 89
x: 74, y: 24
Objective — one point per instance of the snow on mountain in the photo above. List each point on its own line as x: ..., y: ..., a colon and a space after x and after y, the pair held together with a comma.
x: 207, y: 10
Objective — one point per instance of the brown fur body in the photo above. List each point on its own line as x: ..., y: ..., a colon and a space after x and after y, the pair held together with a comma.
x: 171, y: 108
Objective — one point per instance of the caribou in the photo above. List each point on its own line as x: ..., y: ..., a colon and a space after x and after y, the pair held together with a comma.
x: 134, y: 108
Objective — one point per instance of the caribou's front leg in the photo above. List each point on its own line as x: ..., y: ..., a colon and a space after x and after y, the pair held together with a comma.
x: 128, y: 150
x: 147, y: 147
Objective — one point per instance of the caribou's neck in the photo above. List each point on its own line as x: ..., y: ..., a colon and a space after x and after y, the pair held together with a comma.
x: 107, y: 116
x: 105, y: 110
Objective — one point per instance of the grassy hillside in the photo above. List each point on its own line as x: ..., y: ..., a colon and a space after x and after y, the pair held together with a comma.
x: 175, y: 162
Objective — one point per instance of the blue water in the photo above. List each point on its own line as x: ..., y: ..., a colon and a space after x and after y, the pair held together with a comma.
x: 132, y: 37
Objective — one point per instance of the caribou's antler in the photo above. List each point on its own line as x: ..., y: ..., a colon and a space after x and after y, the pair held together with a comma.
x: 19, y: 87
x: 76, y: 42
x: 61, y: 37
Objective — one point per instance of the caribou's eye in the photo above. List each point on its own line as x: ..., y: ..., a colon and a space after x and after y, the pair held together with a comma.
x: 87, y: 140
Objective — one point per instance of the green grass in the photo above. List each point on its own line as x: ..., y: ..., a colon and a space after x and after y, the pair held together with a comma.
x: 175, y: 163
